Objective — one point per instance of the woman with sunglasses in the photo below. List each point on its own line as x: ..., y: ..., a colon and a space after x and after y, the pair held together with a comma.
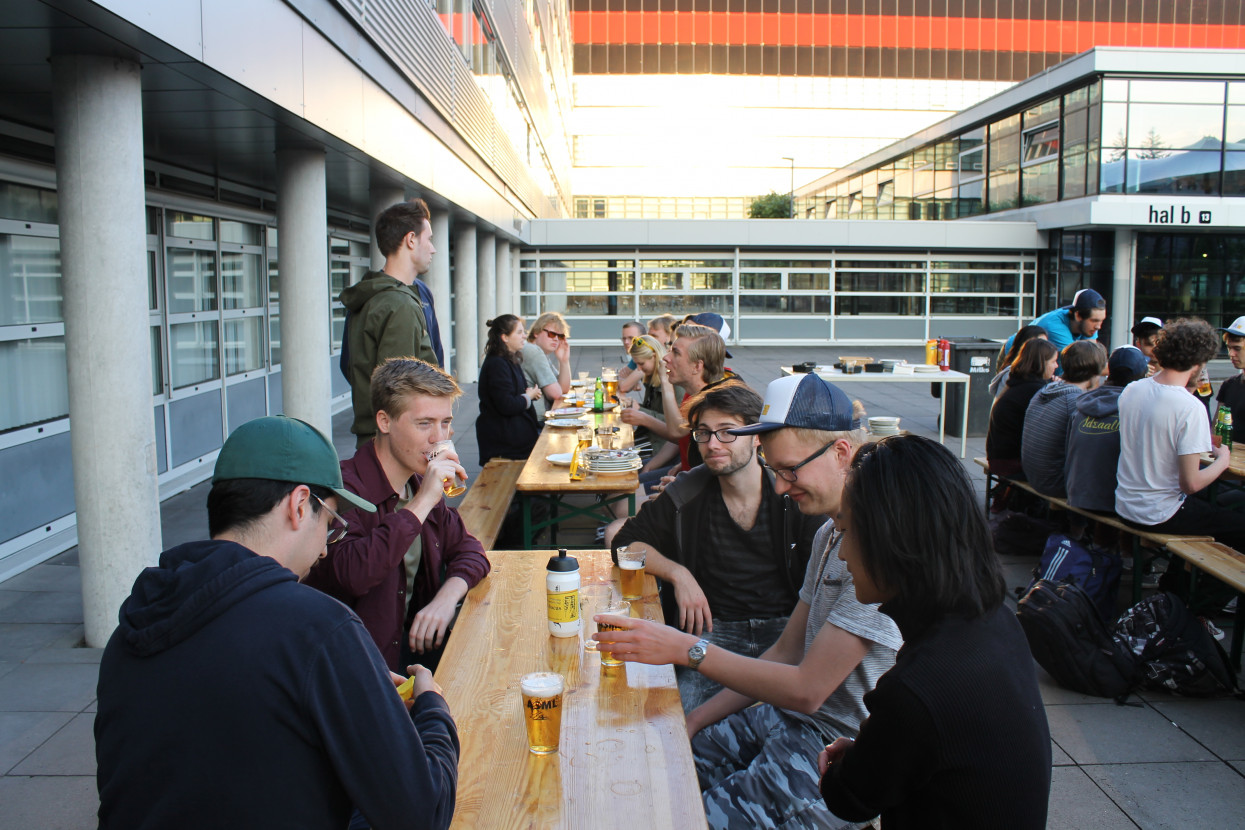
x: 507, y: 426
x: 546, y: 358
x: 956, y: 734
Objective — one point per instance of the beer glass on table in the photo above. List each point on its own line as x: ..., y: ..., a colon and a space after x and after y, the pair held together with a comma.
x: 542, y: 710
x: 631, y: 569
x: 450, y: 486
x: 619, y: 608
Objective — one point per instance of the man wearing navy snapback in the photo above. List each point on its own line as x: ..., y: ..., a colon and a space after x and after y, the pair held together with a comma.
x: 1079, y: 321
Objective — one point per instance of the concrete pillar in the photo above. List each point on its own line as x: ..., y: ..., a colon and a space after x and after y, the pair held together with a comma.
x: 486, y: 284
x: 438, y: 279
x: 505, y: 296
x: 1120, y: 305
x: 98, y: 122
x: 302, y: 230
x: 467, y: 353
x: 382, y: 193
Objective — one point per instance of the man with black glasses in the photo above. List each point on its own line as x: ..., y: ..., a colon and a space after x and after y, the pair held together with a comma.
x: 730, y: 551
x: 757, y: 764
x: 232, y: 696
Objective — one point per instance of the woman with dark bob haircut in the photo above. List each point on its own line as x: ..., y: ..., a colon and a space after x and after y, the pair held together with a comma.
x: 1030, y: 371
x: 956, y: 734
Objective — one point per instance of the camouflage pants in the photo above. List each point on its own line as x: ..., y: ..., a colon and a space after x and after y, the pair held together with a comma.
x: 758, y: 769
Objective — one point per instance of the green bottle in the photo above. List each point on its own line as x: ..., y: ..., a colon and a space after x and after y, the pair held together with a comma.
x: 598, y: 397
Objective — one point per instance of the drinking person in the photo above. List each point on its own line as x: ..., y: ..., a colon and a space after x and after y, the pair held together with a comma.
x: 956, y: 734
x: 507, y: 426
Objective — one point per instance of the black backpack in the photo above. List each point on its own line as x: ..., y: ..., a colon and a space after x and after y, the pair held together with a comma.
x: 1175, y: 651
x: 1095, y: 569
x: 1069, y: 639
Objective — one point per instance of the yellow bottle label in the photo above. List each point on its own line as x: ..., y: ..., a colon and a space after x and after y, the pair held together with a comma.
x: 563, y: 606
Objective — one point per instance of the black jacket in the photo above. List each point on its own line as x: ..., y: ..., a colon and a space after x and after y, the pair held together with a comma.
x: 507, y: 426
x: 671, y: 523
x: 232, y: 696
x: 1007, y: 418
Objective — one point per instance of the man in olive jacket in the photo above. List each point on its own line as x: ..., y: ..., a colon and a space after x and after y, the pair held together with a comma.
x: 386, y: 317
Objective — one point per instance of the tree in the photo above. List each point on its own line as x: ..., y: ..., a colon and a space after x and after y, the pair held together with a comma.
x: 773, y: 206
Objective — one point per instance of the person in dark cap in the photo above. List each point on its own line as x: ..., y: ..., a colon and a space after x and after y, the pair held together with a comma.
x: 1232, y: 391
x: 761, y: 760
x: 230, y: 695
x: 1079, y: 321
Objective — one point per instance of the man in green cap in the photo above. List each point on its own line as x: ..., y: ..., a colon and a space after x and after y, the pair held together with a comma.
x: 230, y: 695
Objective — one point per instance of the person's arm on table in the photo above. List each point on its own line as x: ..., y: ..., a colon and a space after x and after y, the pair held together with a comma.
x: 1194, y: 477
x: 465, y: 565
x: 694, y: 614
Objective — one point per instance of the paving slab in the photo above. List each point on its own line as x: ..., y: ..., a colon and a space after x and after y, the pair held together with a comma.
x: 1217, y: 724
x: 71, y: 751
x: 44, y: 607
x: 1097, y: 734
x: 1175, y: 796
x: 48, y: 687
x: 48, y: 802
x: 66, y: 654
x: 20, y: 640
x: 46, y: 577
x: 1077, y: 803
x: 21, y: 733
x: 1059, y: 758
x: 1053, y: 693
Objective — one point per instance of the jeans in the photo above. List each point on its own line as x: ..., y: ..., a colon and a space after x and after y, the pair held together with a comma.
x: 747, y: 637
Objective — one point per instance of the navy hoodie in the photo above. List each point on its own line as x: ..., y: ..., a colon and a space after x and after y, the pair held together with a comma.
x: 232, y: 696
x: 1094, y: 450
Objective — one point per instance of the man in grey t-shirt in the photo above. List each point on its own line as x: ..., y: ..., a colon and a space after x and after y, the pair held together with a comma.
x: 758, y: 764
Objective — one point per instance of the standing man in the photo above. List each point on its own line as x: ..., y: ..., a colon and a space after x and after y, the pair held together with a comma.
x: 386, y: 318
x: 1232, y: 391
x: 758, y: 764
x: 405, y: 568
x: 730, y: 551
x: 232, y: 696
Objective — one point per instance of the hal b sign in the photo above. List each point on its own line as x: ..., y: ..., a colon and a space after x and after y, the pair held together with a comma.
x: 1173, y: 215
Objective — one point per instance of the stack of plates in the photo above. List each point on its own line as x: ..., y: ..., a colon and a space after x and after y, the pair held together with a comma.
x: 566, y: 412
x: 611, y: 462
x: 882, y: 426
x: 926, y: 368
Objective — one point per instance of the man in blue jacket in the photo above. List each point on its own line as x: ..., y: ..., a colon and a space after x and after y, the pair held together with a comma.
x: 1079, y: 321
x: 232, y: 696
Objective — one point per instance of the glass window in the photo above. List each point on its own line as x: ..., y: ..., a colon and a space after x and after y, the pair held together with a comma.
x: 157, y: 362
x: 244, y: 345
x: 1114, y: 90
x: 190, y: 226
x: 760, y: 282
x: 1040, y: 183
x: 773, y: 304
x: 808, y: 282
x: 1162, y: 128
x: 152, y: 281
x: 274, y: 338
x: 849, y: 305
x: 1075, y: 169
x: 972, y: 163
x: 1195, y: 173
x: 661, y: 282
x: 709, y: 282
x: 337, y: 327
x: 274, y: 281
x: 1234, y: 173
x: 243, y: 233
x: 191, y: 280
x: 30, y: 280
x: 1177, y: 92
x: 1236, y: 125
x: 864, y: 281
x: 1004, y: 191
x: 27, y: 204
x: 983, y: 306
x: 38, y: 368
x: 339, y: 277
x: 969, y: 202
x: 241, y: 285
x: 611, y: 305
x: 193, y: 358
x: 975, y: 283
x: 1041, y: 142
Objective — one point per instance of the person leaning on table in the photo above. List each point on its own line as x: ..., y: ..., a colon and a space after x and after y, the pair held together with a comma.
x: 757, y: 764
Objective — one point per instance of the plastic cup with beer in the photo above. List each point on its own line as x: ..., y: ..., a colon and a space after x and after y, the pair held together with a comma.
x: 631, y: 568
x: 605, y: 438
x: 619, y: 608
x: 450, y: 486
x: 542, y: 710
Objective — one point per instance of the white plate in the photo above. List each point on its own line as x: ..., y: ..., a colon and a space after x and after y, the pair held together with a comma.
x: 560, y: 459
x: 564, y: 422
x: 566, y: 412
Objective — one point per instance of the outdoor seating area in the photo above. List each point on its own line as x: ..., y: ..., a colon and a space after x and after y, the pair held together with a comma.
x: 1166, y: 762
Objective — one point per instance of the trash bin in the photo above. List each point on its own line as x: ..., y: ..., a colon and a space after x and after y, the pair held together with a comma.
x: 974, y: 356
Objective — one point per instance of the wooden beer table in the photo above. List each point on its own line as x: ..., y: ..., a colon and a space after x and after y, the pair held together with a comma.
x: 624, y: 759
x: 541, y: 481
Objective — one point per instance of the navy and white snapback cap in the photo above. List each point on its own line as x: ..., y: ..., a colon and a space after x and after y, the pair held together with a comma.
x: 804, y: 401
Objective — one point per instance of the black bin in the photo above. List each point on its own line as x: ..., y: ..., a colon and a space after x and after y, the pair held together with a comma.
x: 974, y: 356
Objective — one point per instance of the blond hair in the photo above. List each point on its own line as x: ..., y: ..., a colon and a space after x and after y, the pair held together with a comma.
x: 645, y: 346
x: 705, y: 345
x: 399, y: 379
x: 539, y: 324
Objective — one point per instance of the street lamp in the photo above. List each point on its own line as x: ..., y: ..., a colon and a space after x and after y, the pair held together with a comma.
x: 791, y: 197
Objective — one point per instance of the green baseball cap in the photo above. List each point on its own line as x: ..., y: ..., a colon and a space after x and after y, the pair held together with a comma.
x: 279, y: 448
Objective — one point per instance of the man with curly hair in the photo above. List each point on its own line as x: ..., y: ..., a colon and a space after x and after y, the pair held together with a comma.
x: 1163, y: 431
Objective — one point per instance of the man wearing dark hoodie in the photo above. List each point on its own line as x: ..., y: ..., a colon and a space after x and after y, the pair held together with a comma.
x: 1044, y: 442
x: 232, y: 696
x: 1094, y: 439
x: 386, y: 317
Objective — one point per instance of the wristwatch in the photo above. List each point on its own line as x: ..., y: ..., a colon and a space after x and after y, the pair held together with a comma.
x: 697, y: 653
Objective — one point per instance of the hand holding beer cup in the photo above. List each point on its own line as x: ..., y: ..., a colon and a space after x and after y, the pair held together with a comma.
x: 642, y: 641
x: 443, y: 466
x: 612, y: 608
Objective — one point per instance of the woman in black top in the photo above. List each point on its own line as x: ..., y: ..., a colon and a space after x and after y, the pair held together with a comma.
x: 1030, y: 371
x: 507, y: 426
x: 956, y: 734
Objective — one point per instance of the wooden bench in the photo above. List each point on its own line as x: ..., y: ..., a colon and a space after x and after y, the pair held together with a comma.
x: 484, y: 507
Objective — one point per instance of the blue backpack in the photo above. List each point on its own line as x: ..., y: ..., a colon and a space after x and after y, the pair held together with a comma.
x: 1093, y: 570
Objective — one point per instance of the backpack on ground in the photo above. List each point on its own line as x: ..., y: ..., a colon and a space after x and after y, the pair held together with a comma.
x: 1095, y: 570
x: 1069, y: 639
x: 1018, y: 534
x: 1175, y: 651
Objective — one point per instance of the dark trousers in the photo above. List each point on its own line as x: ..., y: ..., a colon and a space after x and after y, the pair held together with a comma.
x: 1199, y: 518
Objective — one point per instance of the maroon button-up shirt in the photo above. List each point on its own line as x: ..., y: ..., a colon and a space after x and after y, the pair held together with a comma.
x: 365, y: 569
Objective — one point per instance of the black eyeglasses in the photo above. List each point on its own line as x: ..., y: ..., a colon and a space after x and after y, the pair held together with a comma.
x: 337, y: 530
x: 788, y: 474
x: 701, y: 435
x: 556, y: 335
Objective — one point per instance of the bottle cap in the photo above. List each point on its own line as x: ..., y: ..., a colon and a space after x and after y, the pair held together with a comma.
x: 562, y: 562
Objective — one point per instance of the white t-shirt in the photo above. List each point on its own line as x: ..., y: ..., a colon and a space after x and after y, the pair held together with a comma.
x: 1158, y: 424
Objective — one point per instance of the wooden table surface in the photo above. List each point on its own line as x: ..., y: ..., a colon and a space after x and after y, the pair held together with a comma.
x: 624, y: 761
x: 540, y: 476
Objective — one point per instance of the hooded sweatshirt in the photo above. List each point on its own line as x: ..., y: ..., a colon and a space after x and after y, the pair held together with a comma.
x: 1094, y: 450
x: 1044, y: 442
x: 386, y: 319
x: 232, y: 696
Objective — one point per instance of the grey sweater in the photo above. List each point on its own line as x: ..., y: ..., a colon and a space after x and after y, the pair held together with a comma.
x: 1044, y: 442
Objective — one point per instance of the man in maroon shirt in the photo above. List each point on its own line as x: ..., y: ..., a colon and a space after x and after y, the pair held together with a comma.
x: 405, y: 568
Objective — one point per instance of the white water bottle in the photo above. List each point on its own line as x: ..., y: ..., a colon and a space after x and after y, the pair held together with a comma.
x: 562, y: 594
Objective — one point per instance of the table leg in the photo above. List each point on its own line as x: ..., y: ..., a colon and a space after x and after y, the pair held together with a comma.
x: 942, y: 415
x: 553, y: 522
x: 527, y: 521
x: 1238, y: 631
x: 964, y: 426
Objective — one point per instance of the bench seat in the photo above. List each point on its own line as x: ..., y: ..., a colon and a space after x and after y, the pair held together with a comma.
x: 484, y: 507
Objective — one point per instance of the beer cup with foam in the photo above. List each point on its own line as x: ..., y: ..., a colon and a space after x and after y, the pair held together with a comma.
x: 542, y: 710
x: 631, y: 569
